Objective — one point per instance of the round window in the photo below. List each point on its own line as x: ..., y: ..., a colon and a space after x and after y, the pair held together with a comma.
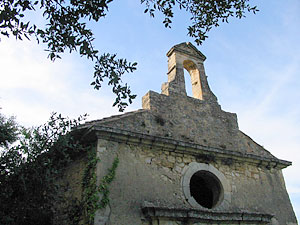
x: 205, y: 188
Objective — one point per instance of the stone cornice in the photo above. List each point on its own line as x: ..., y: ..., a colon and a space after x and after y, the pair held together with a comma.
x: 171, y: 145
x: 194, y: 215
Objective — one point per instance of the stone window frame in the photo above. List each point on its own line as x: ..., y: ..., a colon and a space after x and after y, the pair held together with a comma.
x: 194, y: 167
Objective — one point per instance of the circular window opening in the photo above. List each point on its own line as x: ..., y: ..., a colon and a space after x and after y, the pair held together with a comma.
x: 205, y: 188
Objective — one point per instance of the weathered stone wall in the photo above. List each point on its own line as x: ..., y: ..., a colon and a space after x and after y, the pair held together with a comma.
x: 187, y: 119
x: 70, y: 192
x: 135, y: 183
x: 155, y: 176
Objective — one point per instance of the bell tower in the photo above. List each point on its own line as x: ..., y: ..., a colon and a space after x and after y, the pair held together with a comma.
x: 186, y: 56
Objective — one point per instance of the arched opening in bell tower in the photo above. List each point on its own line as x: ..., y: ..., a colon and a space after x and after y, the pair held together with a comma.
x: 188, y: 83
x: 194, y: 73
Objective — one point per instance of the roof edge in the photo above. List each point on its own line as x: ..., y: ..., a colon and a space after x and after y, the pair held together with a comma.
x: 172, y: 145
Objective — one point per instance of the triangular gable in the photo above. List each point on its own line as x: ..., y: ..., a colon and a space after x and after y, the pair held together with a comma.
x: 188, y: 48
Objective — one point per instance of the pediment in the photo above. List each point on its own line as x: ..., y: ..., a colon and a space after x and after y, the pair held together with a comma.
x: 187, y: 48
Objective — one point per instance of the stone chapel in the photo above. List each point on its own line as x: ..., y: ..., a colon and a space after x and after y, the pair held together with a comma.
x: 183, y: 160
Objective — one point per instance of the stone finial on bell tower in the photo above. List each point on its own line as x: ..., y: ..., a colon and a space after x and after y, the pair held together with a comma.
x: 186, y: 56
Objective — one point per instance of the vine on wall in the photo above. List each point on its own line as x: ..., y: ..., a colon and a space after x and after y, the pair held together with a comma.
x: 95, y: 197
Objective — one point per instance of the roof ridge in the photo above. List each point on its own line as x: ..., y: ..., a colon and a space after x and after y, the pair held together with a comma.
x: 116, y: 117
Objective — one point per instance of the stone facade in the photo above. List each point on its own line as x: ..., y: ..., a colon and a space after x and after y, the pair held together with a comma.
x: 183, y: 160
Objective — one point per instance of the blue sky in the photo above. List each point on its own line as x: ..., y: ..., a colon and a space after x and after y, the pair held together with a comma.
x: 253, y: 67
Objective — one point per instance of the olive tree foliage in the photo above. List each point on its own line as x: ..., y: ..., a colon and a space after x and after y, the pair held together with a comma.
x: 66, y: 29
x: 29, y: 170
x: 9, y: 130
x: 205, y: 14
